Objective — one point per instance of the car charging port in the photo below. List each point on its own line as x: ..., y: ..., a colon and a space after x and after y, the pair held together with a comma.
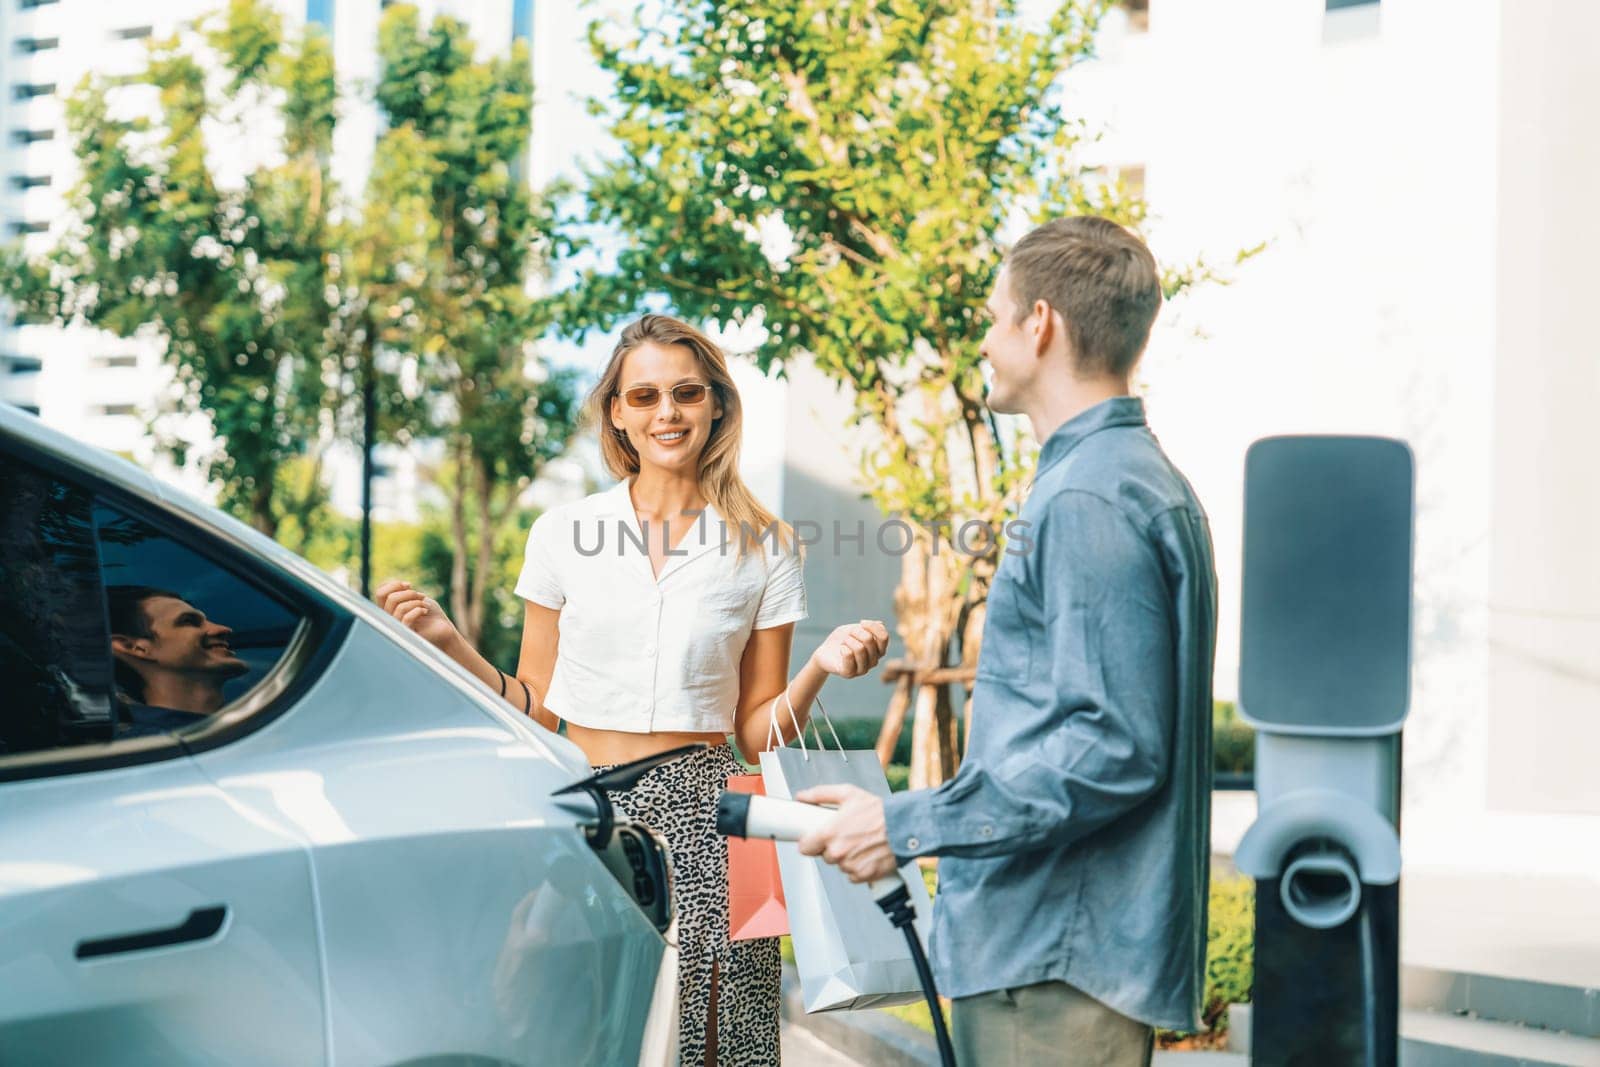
x: 636, y: 856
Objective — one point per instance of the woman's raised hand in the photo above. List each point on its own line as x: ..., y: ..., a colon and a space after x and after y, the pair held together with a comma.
x: 420, y: 612
x: 853, y: 649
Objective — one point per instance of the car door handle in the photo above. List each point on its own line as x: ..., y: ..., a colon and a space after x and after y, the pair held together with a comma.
x: 201, y: 924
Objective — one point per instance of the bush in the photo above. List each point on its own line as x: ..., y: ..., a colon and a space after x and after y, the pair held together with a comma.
x: 863, y: 733
x: 1233, y: 743
x: 1230, y: 948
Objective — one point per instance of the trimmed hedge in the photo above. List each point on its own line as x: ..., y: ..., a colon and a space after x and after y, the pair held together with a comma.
x: 1230, y: 949
x: 1233, y: 743
x: 863, y: 733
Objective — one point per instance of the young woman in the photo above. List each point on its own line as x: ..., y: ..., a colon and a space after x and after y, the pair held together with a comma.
x: 661, y: 612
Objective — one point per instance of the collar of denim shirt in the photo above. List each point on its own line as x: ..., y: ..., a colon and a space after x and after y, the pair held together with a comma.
x: 1118, y: 411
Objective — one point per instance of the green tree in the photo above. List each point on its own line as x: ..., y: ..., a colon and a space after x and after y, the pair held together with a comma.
x: 842, y: 171
x: 454, y: 250
x: 230, y: 273
x: 278, y: 299
x: 500, y: 638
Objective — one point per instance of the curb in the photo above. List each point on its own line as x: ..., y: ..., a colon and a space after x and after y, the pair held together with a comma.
x: 865, y: 1036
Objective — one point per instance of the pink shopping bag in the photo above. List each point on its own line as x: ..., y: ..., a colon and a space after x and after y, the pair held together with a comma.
x: 755, y: 891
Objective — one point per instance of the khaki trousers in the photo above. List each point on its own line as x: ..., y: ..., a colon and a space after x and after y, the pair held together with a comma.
x: 1046, y: 1024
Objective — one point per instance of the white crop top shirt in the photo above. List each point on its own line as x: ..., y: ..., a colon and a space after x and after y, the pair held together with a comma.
x: 639, y: 653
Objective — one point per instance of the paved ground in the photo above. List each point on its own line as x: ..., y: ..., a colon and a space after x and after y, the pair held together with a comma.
x: 1507, y: 894
x: 1512, y: 894
x: 802, y: 1049
x: 805, y: 1050
x: 1539, y: 929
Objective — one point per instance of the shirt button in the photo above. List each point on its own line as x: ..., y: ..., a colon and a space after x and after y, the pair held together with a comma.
x: 987, y: 831
x: 649, y: 650
x: 913, y: 843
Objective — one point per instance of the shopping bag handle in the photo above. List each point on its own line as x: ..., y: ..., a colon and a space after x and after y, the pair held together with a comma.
x: 775, y: 733
x: 817, y: 700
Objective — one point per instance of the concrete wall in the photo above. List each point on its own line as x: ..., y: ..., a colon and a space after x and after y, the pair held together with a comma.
x: 1544, y: 596
x: 845, y: 581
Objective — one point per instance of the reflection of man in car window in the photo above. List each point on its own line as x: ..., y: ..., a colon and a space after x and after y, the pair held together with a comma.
x: 170, y: 659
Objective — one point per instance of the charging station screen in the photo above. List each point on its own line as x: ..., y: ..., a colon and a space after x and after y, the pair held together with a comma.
x: 1325, y: 646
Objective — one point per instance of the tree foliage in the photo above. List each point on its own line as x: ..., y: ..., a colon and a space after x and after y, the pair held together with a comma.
x: 212, y: 222
x: 453, y: 249
x: 844, y: 172
x: 196, y: 224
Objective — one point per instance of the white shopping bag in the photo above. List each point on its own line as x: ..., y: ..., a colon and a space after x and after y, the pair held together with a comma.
x: 848, y: 954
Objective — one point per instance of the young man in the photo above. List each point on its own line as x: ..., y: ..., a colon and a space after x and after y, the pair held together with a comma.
x: 170, y: 658
x: 1071, y: 914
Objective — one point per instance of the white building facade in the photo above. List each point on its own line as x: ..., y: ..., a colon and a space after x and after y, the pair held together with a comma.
x: 1423, y: 173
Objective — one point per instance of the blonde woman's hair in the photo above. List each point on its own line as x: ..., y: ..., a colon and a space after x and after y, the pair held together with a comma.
x: 719, y: 461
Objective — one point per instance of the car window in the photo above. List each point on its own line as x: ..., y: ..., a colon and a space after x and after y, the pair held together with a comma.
x: 120, y: 625
x: 54, y: 664
x: 187, y: 635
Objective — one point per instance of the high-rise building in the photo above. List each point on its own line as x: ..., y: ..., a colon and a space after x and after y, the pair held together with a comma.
x: 104, y: 389
x: 98, y: 387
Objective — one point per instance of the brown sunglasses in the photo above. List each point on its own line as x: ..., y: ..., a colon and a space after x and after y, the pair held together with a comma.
x: 648, y: 396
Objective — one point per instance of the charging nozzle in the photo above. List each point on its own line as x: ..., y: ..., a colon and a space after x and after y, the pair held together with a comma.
x: 733, y: 813
x: 749, y: 815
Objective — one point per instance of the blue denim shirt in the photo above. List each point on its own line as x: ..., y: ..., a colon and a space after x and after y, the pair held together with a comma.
x: 1076, y: 836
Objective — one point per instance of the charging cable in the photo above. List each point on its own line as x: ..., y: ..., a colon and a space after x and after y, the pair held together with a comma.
x: 748, y: 815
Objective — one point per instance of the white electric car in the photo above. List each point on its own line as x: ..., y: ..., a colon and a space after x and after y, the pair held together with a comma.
x: 357, y: 859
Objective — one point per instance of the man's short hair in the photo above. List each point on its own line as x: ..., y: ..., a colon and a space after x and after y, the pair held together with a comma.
x: 125, y: 608
x: 1100, y: 278
x: 126, y: 617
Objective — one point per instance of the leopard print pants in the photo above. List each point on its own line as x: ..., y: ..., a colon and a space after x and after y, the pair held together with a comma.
x: 678, y: 800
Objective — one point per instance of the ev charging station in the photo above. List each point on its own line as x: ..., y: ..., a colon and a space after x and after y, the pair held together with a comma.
x: 1325, y: 676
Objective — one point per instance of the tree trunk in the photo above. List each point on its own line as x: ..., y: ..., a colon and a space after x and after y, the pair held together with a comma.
x: 894, y: 720
x: 482, y: 575
x: 261, y: 516
x: 971, y: 645
x: 925, y: 767
x: 944, y: 729
x: 932, y: 609
x: 459, y: 594
x: 928, y: 615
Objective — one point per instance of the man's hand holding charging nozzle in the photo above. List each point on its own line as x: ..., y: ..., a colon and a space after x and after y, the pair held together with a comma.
x: 855, y: 840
